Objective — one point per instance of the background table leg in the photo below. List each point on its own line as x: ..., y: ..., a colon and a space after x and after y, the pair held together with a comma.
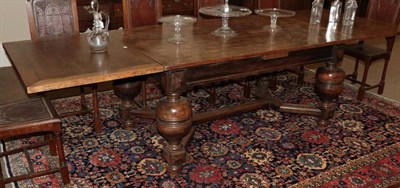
x: 329, y: 84
x: 127, y: 90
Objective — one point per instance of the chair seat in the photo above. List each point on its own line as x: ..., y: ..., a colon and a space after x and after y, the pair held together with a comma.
x: 26, y: 117
x: 366, y: 53
x: 21, y: 112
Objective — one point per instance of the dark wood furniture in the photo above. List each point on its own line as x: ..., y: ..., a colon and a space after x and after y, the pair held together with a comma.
x: 134, y: 16
x: 144, y: 51
x: 141, y: 12
x: 179, y: 7
x: 51, y: 18
x: 171, y: 7
x: 383, y: 12
x: 78, y: 66
x: 27, y: 117
x: 209, y: 59
x: 112, y: 7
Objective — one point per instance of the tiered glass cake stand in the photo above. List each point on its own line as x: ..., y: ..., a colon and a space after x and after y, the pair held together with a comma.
x: 177, y: 21
x: 274, y: 14
x: 225, y: 11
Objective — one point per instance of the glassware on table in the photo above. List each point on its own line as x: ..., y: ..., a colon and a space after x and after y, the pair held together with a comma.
x: 274, y: 14
x: 316, y: 11
x: 98, y: 37
x: 177, y: 21
x: 335, y: 11
x: 350, y: 10
x: 225, y: 11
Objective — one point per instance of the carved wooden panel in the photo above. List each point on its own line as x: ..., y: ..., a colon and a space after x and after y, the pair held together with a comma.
x: 52, y: 17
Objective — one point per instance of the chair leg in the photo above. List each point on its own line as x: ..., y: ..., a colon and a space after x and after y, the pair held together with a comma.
x: 354, y: 75
x: 300, y: 76
x: 83, y: 99
x: 361, y: 90
x: 144, y: 94
x: 52, y: 144
x: 61, y: 157
x: 96, y: 110
x: 2, y: 183
x: 247, y: 88
x: 212, y: 99
x: 273, y: 82
x: 382, y: 82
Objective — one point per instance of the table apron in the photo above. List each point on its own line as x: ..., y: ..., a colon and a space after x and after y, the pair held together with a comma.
x: 254, y: 66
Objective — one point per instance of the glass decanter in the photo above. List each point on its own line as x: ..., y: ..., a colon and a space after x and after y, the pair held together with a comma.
x: 225, y: 11
x: 98, y: 37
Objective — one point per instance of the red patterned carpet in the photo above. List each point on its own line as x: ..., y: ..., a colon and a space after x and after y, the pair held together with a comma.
x: 262, y: 148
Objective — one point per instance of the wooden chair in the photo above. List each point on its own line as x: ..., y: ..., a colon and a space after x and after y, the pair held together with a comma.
x: 32, y: 116
x: 384, y: 11
x: 141, y: 12
x: 49, y: 18
x: 268, y: 4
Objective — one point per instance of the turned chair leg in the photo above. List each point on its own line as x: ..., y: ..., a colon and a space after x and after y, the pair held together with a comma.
x: 61, y: 157
x: 354, y: 75
x: 213, y: 96
x: 52, y: 144
x: 382, y: 82
x: 300, y: 76
x: 361, y: 90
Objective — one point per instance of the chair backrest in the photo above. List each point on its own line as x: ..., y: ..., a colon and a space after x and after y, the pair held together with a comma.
x: 204, y: 3
x: 268, y: 4
x: 251, y: 4
x: 386, y: 11
x: 141, y: 12
x: 52, y: 17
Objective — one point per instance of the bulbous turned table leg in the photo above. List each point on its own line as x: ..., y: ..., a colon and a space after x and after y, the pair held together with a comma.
x: 127, y: 90
x: 328, y: 86
x: 174, y: 122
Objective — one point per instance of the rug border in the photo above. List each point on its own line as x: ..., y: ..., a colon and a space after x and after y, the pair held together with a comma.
x: 365, y: 160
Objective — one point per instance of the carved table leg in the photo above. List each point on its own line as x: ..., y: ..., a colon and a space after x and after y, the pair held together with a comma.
x: 174, y: 122
x: 127, y: 90
x: 329, y: 84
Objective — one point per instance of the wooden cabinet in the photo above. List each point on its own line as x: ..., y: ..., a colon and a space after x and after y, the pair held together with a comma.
x: 181, y: 7
x: 184, y: 7
x: 112, y: 7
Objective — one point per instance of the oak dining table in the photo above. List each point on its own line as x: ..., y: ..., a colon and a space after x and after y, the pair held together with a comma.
x: 134, y: 55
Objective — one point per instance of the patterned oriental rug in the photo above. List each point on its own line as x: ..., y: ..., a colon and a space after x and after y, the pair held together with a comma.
x: 262, y: 148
